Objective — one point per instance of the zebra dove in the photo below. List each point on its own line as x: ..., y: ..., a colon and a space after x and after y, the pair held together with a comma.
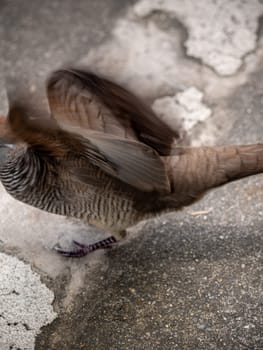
x: 104, y: 157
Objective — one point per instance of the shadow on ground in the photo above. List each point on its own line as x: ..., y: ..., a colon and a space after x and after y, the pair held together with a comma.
x: 185, y: 286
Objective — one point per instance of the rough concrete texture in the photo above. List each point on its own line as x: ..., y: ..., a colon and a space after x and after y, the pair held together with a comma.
x: 25, y: 304
x: 220, y: 34
x: 149, y: 53
x: 188, y: 280
x: 186, y: 105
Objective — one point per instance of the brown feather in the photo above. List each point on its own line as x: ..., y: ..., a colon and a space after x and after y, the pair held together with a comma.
x: 193, y: 171
x: 100, y: 157
x: 131, y: 162
x: 85, y: 99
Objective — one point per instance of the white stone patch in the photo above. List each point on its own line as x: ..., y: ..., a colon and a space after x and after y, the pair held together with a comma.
x: 25, y: 304
x: 187, y: 106
x: 220, y: 33
x: 143, y: 57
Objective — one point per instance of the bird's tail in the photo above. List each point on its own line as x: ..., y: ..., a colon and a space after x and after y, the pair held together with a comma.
x: 193, y: 171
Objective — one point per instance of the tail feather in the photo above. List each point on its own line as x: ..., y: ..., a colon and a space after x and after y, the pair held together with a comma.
x: 193, y: 171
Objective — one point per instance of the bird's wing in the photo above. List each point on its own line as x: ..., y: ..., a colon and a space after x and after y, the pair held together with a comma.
x: 130, y: 161
x: 83, y: 99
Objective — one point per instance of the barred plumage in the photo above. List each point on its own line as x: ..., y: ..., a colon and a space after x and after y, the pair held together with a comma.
x: 104, y: 157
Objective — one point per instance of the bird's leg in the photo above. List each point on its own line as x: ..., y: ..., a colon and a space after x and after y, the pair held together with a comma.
x: 82, y: 249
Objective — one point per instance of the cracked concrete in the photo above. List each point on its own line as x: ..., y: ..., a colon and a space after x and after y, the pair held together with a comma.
x: 25, y: 304
x: 154, y: 46
x: 188, y: 280
x: 186, y: 105
x: 219, y: 34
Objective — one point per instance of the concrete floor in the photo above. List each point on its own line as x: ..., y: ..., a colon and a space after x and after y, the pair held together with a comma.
x: 187, y: 280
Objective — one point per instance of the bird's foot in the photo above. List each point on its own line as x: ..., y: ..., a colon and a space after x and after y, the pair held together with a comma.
x: 83, y: 249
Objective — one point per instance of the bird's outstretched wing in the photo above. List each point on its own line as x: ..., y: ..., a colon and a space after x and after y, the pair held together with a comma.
x: 132, y: 162
x: 83, y: 99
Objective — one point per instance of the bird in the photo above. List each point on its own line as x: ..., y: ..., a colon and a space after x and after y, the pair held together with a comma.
x: 101, y: 155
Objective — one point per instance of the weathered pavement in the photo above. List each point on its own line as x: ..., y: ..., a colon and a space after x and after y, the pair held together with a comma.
x: 187, y: 280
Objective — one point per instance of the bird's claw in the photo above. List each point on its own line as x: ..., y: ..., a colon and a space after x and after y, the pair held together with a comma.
x: 72, y: 253
x: 82, y: 249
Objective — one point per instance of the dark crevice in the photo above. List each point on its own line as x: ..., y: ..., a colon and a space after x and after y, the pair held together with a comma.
x: 259, y: 32
x: 26, y: 326
x: 15, y: 292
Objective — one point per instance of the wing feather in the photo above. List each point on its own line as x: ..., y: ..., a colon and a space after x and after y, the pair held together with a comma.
x: 86, y: 100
